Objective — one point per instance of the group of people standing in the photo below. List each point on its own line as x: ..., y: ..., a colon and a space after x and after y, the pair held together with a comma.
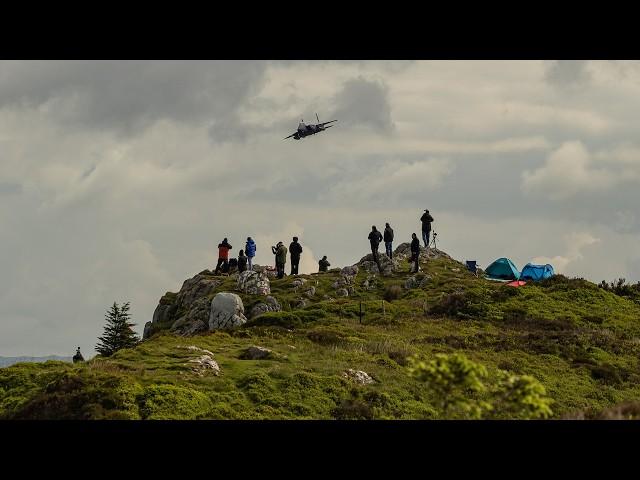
x: 375, y: 237
x: 245, y: 257
x: 244, y: 260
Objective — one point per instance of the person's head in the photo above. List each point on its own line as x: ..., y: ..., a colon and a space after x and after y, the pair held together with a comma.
x: 241, y: 252
x: 225, y: 240
x: 427, y: 211
x: 324, y: 258
x: 373, y: 227
x: 295, y: 239
x: 248, y: 239
x: 387, y: 225
x: 413, y: 235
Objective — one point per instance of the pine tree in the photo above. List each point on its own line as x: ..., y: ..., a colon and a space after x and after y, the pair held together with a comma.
x: 118, y: 333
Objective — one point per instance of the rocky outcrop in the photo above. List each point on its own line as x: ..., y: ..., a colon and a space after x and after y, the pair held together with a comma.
x: 388, y: 266
x: 204, y: 363
x: 187, y: 311
x: 417, y: 281
x: 257, y: 353
x: 358, y: 376
x: 254, y: 282
x: 227, y: 311
x: 270, y: 304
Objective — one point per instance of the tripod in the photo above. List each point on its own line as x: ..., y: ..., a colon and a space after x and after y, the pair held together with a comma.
x: 433, y: 241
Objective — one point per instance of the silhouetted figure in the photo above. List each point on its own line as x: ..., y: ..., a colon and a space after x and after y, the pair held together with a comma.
x: 388, y: 240
x: 295, y: 249
x: 375, y: 237
x: 223, y: 256
x: 280, y: 251
x: 324, y: 264
x: 415, y: 252
x: 426, y: 220
x: 242, y: 261
x: 250, y: 250
x: 78, y: 356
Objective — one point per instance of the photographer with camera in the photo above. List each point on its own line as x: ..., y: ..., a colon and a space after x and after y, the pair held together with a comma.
x: 426, y: 220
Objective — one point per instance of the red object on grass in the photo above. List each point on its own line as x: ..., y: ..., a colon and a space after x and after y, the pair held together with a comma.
x: 516, y: 283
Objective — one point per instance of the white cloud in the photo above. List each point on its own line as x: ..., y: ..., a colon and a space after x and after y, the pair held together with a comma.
x: 576, y: 242
x: 566, y: 172
x: 395, y: 179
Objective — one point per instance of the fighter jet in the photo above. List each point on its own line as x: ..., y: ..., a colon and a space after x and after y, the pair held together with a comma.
x: 306, y: 130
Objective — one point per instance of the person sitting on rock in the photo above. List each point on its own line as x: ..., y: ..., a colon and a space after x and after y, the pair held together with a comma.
x: 295, y: 249
x: 415, y: 252
x: 223, y: 256
x: 388, y: 240
x: 242, y: 261
x: 250, y: 250
x: 78, y: 356
x: 324, y: 264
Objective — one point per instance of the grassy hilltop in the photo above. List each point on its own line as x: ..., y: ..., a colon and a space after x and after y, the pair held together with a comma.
x: 581, y: 342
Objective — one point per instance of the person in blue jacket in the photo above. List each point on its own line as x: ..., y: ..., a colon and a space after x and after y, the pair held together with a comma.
x: 250, y: 252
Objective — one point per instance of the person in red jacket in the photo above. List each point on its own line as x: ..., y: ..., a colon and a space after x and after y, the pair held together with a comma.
x: 223, y: 256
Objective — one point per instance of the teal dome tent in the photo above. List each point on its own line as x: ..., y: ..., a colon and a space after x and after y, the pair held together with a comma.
x: 502, y: 269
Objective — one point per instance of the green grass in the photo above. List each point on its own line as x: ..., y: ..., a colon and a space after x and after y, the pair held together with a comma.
x: 581, y: 342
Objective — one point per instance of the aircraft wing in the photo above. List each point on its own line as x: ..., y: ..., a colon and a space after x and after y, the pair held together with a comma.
x: 330, y: 121
x: 290, y: 135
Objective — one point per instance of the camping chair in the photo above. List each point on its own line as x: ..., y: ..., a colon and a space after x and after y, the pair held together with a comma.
x: 472, y: 266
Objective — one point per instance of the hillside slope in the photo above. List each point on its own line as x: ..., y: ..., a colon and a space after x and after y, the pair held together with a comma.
x: 580, y: 341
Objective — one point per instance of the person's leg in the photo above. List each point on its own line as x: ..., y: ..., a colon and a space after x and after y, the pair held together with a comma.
x: 249, y: 262
x: 218, y: 266
x: 416, y: 256
x: 425, y: 238
x: 295, y: 266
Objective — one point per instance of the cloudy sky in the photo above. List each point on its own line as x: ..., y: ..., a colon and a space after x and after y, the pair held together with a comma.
x: 119, y: 178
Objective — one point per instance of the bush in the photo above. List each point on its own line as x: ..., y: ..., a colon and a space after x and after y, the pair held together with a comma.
x: 463, y: 389
x: 460, y: 304
x: 392, y: 292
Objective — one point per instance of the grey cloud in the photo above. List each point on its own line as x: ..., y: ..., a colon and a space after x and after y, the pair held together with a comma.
x: 566, y: 73
x: 364, y: 103
x: 127, y: 96
x: 10, y: 188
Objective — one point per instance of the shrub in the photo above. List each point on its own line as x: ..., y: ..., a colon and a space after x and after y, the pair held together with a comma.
x: 460, y: 304
x: 352, y: 409
x: 392, y: 292
x: 170, y: 402
x: 457, y: 384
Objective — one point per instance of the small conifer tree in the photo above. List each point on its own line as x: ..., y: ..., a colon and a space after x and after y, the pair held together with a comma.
x: 118, y: 332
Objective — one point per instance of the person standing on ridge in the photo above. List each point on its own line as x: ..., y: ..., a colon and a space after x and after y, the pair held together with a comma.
x: 324, y: 264
x: 426, y: 220
x: 375, y: 237
x: 242, y: 261
x: 223, y: 256
x: 250, y: 250
x: 295, y: 249
x: 415, y: 252
x: 280, y: 251
x: 388, y: 240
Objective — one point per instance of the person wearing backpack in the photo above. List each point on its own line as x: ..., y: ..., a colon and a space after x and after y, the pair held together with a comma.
x: 223, y: 256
